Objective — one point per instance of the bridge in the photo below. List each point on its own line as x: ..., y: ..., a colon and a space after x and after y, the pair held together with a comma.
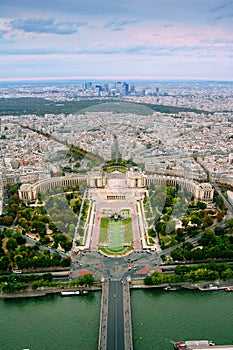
x: 115, y: 331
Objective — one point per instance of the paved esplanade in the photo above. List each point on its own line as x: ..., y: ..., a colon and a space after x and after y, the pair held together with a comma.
x: 115, y: 327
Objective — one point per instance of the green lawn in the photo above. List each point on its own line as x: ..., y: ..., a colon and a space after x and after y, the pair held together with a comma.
x: 128, y: 237
x: 116, y: 233
x: 116, y: 239
x: 103, y: 230
x: 122, y: 169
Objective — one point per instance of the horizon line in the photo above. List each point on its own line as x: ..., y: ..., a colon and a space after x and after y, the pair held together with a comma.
x: 117, y: 77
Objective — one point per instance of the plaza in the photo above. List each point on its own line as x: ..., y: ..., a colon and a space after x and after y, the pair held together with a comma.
x: 114, y: 197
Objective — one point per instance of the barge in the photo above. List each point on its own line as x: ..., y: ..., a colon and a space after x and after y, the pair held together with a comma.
x: 210, y: 287
x: 192, y: 344
x: 74, y: 293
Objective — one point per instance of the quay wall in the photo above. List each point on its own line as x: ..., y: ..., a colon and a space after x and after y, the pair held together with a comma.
x: 29, y: 293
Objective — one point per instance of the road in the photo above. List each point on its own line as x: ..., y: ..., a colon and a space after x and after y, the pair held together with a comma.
x: 225, y: 200
x: 115, y: 328
x: 52, y: 250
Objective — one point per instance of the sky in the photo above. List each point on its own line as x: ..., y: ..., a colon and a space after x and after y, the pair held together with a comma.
x: 131, y: 39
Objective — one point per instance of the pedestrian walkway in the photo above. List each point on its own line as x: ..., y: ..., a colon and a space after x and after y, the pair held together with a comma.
x: 103, y: 317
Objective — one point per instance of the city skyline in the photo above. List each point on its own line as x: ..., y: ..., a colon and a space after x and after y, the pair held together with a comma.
x: 127, y: 40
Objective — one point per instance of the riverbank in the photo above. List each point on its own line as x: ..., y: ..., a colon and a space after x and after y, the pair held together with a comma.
x: 135, y: 284
x: 29, y: 293
x: 202, y: 286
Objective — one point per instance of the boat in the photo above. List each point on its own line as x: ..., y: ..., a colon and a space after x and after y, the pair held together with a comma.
x: 74, y: 293
x: 192, y: 344
x: 207, y: 288
x: 229, y: 289
x: 171, y: 288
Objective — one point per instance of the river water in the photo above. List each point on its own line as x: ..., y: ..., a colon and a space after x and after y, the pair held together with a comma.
x: 159, y: 318
x: 50, y: 323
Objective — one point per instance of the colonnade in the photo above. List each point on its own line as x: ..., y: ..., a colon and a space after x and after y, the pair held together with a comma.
x: 29, y: 192
x: 201, y: 191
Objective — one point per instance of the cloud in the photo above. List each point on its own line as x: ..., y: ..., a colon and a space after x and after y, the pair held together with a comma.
x: 223, y: 12
x: 119, y: 25
x: 205, y: 48
x: 224, y: 17
x: 45, y: 25
x: 168, y: 25
x: 222, y: 6
x: 217, y: 41
x: 2, y: 33
x: 29, y: 51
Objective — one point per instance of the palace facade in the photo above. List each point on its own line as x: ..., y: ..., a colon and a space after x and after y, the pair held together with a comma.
x: 134, y: 178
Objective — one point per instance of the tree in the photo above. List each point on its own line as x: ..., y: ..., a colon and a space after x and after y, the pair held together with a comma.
x: 227, y: 274
x: 160, y: 227
x: 192, y: 231
x: 40, y: 227
x: 4, y: 263
x: 26, y: 213
x: 219, y: 231
x: 198, y: 254
x: 88, y: 280
x: 66, y: 245
x: 53, y: 227
x: 65, y: 262
x: 19, y: 238
x: 43, y: 218
x: 207, y: 221
x: 229, y: 223
x: 188, y: 245
x: 23, y: 223
x: 8, y: 232
x: 219, y: 201
x: 13, y: 190
x: 185, y: 221
x: 11, y: 244
x: 201, y: 205
x: 163, y: 257
x: 207, y: 238
x: 196, y: 220
x: 7, y: 220
x: 188, y: 254
x: 181, y: 269
x: 177, y: 254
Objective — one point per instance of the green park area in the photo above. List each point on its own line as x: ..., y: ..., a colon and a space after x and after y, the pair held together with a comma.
x: 116, y: 239
x: 115, y: 235
x: 116, y: 168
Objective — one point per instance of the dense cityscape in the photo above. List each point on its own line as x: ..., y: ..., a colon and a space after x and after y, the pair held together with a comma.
x: 156, y: 156
x: 116, y: 175
x: 162, y: 142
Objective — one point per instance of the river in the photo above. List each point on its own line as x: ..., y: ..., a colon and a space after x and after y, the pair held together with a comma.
x: 159, y: 318
x: 50, y: 323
